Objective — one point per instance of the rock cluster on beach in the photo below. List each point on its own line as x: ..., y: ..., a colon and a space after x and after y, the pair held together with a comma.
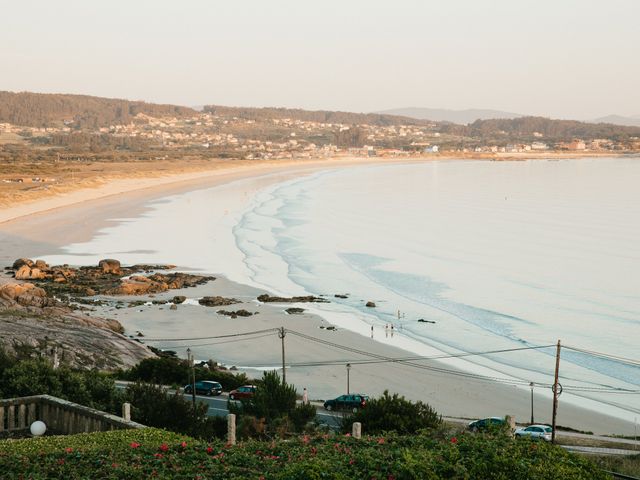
x: 235, y: 314
x: 217, y: 301
x: 108, y: 278
x: 306, y: 299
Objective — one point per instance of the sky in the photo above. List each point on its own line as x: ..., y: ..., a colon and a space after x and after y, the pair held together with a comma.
x: 558, y: 58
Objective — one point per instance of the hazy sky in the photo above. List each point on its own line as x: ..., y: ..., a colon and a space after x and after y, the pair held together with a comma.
x: 560, y: 58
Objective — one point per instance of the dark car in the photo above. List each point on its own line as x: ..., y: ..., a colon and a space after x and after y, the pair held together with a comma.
x: 246, y: 391
x: 487, y: 423
x: 352, y: 402
x: 205, y: 387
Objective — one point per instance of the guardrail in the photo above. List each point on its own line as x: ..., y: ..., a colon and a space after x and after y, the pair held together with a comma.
x: 60, y: 416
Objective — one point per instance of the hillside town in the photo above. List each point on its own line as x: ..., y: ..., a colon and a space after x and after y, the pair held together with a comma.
x: 285, y: 138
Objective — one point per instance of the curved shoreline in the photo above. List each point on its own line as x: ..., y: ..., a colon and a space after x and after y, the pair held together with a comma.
x: 55, y: 227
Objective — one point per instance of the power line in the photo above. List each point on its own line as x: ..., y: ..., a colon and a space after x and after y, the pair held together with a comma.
x: 605, y: 355
x: 209, y: 338
x: 416, y: 365
x: 222, y: 342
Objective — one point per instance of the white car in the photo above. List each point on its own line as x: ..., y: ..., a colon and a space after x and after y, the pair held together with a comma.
x: 535, y: 431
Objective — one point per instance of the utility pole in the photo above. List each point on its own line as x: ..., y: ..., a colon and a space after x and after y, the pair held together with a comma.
x: 531, y: 385
x: 193, y: 378
x: 348, y: 369
x: 557, y: 389
x: 281, y: 334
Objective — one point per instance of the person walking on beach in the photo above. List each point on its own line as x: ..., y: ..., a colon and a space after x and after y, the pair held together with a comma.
x: 305, y: 396
x: 371, y: 331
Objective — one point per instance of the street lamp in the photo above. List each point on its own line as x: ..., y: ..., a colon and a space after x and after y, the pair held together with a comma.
x: 193, y: 383
x: 348, y: 368
x: 531, y: 385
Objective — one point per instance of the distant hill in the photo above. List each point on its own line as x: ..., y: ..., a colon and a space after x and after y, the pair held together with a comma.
x: 323, y: 116
x: 526, y: 128
x: 462, y: 117
x: 46, y: 109
x: 633, y: 121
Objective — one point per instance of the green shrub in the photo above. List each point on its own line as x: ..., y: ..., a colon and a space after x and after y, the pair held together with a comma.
x: 393, y: 413
x: 37, y: 376
x: 146, y: 453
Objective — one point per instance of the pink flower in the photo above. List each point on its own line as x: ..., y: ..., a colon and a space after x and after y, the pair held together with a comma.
x: 183, y: 444
x: 352, y: 461
x: 209, y: 450
x: 61, y: 461
x: 347, y: 434
x: 164, y: 447
x: 454, y: 440
x: 380, y: 441
x: 134, y: 445
x: 68, y: 449
x: 158, y: 455
x: 305, y: 439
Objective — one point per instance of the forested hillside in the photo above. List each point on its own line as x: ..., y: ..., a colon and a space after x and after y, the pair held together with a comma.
x: 526, y: 128
x: 320, y: 116
x: 83, y: 111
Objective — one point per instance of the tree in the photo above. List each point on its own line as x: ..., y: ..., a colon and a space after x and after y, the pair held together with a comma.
x: 153, y: 406
x: 393, y: 413
x: 275, y: 402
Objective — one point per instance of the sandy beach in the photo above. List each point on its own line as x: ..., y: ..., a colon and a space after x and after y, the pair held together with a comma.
x: 44, y: 226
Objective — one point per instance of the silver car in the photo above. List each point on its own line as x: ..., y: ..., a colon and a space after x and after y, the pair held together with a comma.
x: 542, y: 432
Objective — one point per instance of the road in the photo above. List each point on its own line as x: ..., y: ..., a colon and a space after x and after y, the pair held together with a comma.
x: 218, y: 407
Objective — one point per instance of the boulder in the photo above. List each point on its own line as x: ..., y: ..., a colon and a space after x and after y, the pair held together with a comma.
x: 26, y: 294
x: 371, y: 305
x: 178, y: 299
x: 110, y: 266
x: 20, y: 262
x: 237, y: 313
x: 42, y: 265
x: 173, y: 307
x: 294, y: 310
x: 25, y: 272
x: 217, y: 301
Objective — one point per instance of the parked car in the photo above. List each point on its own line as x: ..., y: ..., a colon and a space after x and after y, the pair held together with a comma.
x: 486, y: 424
x: 535, y: 431
x: 205, y: 387
x: 246, y: 391
x: 352, y: 402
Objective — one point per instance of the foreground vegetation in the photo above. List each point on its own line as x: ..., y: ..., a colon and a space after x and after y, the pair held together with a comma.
x: 152, y: 453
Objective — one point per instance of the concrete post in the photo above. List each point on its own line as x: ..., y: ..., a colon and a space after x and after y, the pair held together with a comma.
x: 511, y: 422
x: 126, y: 411
x: 356, y: 430
x: 231, y: 429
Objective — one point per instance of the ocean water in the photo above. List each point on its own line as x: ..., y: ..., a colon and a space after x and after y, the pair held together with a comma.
x: 493, y: 255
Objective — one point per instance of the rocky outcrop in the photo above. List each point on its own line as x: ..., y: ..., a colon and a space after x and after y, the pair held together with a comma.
x: 178, y: 299
x: 25, y: 295
x: 34, y: 324
x: 217, y: 301
x: 308, y: 299
x: 108, y: 278
x: 294, y: 311
x: 237, y: 313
